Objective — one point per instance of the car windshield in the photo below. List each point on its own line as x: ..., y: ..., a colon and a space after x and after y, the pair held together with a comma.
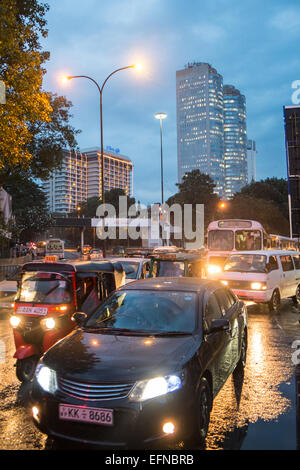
x: 246, y: 263
x: 170, y: 269
x: 147, y: 312
x: 131, y: 269
x: 45, y: 288
x: 220, y: 240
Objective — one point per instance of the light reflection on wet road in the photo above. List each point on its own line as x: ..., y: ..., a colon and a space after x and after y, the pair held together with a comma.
x: 256, y: 413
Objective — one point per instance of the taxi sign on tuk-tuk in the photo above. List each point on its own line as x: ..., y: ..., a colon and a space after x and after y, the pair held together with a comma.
x: 51, y: 259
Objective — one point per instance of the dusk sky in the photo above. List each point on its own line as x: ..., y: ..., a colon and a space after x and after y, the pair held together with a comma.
x: 253, y: 44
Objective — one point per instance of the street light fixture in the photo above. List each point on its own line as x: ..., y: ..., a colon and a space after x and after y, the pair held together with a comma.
x: 100, y: 89
x: 161, y: 116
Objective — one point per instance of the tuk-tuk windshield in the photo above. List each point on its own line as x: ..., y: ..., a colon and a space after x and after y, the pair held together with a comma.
x: 45, y: 288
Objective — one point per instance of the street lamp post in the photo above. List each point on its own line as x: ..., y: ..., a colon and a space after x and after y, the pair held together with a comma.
x: 100, y: 89
x: 161, y: 116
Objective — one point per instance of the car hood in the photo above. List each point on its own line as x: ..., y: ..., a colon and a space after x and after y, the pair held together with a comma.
x: 108, y: 357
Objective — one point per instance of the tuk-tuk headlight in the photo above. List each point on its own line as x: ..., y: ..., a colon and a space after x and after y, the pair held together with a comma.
x: 46, y: 377
x: 213, y: 269
x: 147, y: 389
x: 15, y: 321
x: 48, y: 323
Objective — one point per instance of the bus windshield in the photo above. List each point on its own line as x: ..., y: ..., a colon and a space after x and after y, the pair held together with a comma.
x: 248, y: 240
x: 45, y: 288
x: 246, y: 263
x: 221, y: 240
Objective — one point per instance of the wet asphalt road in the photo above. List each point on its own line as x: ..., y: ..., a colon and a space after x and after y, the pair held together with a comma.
x: 259, y: 412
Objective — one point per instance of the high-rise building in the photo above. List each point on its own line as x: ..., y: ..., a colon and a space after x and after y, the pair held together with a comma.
x: 251, y: 160
x: 200, y: 139
x: 67, y: 185
x: 235, y: 140
x: 80, y: 177
x: 292, y: 143
x: 117, y: 172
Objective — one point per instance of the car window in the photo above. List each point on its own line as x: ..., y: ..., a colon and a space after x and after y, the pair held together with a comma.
x: 273, y: 263
x: 212, y: 312
x: 287, y: 263
x: 225, y: 300
x: 296, y: 259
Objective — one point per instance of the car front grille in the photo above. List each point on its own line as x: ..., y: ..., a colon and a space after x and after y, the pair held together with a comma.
x: 94, y: 391
x: 233, y: 284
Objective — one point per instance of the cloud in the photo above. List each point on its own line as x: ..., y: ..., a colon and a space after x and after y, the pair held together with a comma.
x: 287, y: 21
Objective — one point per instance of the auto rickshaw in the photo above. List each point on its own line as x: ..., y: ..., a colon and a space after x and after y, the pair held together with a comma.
x: 49, y: 294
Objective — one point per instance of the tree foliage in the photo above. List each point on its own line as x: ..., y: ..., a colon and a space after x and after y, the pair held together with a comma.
x: 29, y: 206
x: 196, y: 188
x: 33, y: 123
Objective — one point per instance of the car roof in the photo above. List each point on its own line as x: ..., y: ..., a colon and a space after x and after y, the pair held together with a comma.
x: 191, y: 284
x: 130, y: 260
x: 73, y: 265
x: 266, y: 252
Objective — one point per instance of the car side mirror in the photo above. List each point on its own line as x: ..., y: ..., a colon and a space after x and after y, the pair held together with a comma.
x: 79, y: 317
x: 221, y: 324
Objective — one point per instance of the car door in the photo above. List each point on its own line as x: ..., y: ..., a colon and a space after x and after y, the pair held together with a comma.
x: 215, y: 344
x: 288, y: 277
x: 229, y: 307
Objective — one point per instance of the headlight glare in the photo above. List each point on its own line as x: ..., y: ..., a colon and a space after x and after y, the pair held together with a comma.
x: 213, y: 269
x: 46, y: 377
x: 147, y: 389
x: 15, y: 321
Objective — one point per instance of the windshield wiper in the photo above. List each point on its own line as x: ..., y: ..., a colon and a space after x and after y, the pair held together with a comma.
x: 171, y: 333
x: 102, y: 329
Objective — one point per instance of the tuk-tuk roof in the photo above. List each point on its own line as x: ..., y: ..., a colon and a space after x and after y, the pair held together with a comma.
x: 181, y: 257
x: 74, y: 266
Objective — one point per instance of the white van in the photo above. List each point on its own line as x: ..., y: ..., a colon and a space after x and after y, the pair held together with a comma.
x: 265, y: 276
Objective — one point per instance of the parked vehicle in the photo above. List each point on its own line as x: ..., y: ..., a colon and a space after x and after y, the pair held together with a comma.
x: 48, y: 295
x: 55, y: 247
x: 145, y: 366
x: 263, y: 276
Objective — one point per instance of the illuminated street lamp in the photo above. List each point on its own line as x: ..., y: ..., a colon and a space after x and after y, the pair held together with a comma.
x: 100, y: 89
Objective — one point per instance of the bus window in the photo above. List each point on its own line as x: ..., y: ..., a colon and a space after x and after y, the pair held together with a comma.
x: 247, y: 240
x: 221, y: 240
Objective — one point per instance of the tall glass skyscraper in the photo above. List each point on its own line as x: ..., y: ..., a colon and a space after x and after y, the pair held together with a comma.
x: 200, y: 133
x: 235, y: 140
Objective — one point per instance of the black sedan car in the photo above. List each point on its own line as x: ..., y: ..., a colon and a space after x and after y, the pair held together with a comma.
x: 144, y: 366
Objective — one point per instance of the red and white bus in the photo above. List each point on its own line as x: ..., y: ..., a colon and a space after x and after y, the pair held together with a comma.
x: 234, y: 235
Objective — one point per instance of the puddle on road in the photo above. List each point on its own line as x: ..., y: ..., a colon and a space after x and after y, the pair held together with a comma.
x: 259, y: 397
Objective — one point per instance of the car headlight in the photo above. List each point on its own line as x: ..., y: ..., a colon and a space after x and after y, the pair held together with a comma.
x: 46, y: 377
x: 258, y: 286
x: 147, y: 389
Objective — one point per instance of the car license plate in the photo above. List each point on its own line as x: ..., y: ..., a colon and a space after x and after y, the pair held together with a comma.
x: 86, y: 414
x: 32, y: 310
